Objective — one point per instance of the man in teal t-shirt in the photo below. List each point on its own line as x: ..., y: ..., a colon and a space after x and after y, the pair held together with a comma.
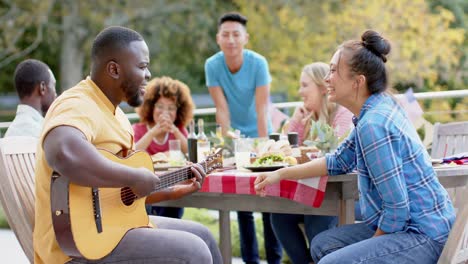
x: 239, y: 83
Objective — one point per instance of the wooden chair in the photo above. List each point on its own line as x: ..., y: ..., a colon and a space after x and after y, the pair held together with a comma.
x: 449, y: 139
x: 17, y: 162
x: 456, y: 248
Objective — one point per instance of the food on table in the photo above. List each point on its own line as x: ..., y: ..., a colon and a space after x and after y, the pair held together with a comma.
x: 290, y: 160
x: 274, y: 153
x: 159, y: 157
x: 269, y: 160
x: 308, y: 153
x: 275, y: 147
x: 274, y: 160
x: 309, y: 149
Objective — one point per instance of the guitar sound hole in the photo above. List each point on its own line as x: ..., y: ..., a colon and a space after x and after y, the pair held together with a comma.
x: 127, y: 196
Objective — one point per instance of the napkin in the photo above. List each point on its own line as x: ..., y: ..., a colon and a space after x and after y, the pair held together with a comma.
x: 459, y: 158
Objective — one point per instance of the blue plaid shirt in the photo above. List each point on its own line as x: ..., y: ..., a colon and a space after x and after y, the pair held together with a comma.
x: 398, y: 188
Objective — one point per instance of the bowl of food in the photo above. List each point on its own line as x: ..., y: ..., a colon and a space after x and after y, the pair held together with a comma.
x: 273, y: 155
x: 161, y: 161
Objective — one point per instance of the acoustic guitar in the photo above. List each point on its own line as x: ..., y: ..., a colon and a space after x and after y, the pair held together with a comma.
x: 90, y: 222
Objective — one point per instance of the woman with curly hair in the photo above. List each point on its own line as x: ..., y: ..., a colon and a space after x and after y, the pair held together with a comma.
x: 166, y: 111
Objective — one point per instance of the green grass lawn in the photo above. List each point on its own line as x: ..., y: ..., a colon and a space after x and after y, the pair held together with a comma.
x: 204, y: 217
x: 3, y: 221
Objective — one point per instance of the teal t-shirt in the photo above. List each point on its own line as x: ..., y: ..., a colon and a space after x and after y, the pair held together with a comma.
x: 239, y: 88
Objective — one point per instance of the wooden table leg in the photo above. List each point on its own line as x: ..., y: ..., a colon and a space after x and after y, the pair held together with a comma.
x: 341, y: 212
x: 346, y: 205
x: 225, y: 236
x: 346, y: 212
x: 349, y: 211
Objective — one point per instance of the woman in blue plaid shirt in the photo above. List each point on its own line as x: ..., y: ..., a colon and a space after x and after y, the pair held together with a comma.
x: 406, y: 212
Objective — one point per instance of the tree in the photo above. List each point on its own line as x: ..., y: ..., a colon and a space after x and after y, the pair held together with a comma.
x: 282, y: 32
x: 459, y: 8
x: 180, y: 34
x: 291, y: 34
x: 424, y: 47
x: 16, y: 19
x: 429, y: 50
x: 162, y: 23
x: 23, y: 28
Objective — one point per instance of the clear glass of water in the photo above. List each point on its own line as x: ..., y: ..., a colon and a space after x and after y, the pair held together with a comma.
x: 175, y: 152
x: 242, y: 149
x: 203, y: 150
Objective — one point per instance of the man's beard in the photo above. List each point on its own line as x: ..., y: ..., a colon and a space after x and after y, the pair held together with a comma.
x: 134, y: 99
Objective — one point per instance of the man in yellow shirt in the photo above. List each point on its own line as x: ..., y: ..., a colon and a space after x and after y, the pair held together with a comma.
x: 87, y: 117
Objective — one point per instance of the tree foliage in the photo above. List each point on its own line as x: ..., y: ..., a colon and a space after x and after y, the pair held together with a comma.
x: 289, y: 35
x: 23, y: 30
x: 180, y: 35
x: 429, y: 49
x: 17, y: 18
x: 425, y: 48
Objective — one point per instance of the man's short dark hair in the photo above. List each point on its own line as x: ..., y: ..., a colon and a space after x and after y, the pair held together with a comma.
x: 233, y: 16
x: 112, y: 39
x: 28, y: 74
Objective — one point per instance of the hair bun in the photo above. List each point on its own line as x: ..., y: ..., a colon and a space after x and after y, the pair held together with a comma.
x: 376, y: 44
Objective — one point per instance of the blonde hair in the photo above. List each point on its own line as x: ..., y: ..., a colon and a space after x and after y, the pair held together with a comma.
x: 316, y: 72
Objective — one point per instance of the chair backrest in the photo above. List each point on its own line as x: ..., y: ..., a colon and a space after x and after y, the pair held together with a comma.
x: 17, y: 162
x: 449, y: 139
x: 456, y: 249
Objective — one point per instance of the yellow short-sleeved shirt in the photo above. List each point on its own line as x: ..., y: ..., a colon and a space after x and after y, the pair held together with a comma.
x: 86, y: 108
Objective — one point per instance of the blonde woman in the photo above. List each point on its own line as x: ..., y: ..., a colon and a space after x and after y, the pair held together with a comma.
x: 316, y: 107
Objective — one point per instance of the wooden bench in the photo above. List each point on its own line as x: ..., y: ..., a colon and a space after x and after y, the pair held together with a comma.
x: 456, y: 248
x: 449, y: 139
x: 17, y: 162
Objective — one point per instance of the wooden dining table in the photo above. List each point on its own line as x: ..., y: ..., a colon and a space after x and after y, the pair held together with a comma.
x: 338, y: 198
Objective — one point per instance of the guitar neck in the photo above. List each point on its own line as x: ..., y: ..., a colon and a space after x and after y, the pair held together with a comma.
x: 173, y: 177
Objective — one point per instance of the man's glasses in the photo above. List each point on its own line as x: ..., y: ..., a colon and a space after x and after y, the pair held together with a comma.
x: 169, y: 108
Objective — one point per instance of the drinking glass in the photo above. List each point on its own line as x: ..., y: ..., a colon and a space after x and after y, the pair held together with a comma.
x: 203, y: 150
x: 293, y: 139
x: 175, y: 153
x: 274, y: 136
x: 242, y: 149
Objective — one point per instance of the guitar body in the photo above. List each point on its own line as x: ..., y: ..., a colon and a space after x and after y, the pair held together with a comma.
x: 78, y: 235
x: 90, y: 222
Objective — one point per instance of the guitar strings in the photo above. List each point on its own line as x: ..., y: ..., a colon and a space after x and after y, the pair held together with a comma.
x: 167, y: 180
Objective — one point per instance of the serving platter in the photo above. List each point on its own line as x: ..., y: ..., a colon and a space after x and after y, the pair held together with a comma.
x: 265, y: 168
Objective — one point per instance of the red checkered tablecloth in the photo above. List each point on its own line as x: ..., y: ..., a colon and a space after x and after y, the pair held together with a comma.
x: 308, y: 191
